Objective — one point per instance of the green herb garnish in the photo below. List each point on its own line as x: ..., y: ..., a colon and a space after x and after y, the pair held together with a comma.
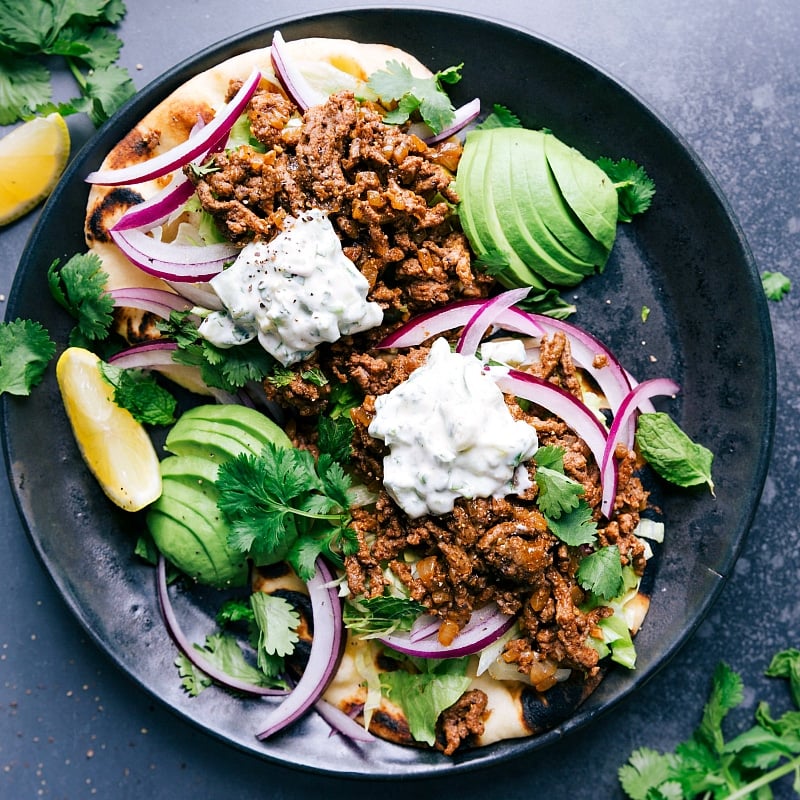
x: 79, y: 31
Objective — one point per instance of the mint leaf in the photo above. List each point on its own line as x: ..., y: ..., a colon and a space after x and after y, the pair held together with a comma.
x: 25, y: 351
x: 671, y: 453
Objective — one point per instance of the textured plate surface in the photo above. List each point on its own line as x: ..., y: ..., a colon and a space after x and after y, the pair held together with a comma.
x: 685, y: 260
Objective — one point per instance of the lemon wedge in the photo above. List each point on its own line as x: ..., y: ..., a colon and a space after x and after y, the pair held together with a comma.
x: 32, y: 159
x: 115, y: 447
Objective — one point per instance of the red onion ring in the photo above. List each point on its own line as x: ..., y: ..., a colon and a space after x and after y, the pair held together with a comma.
x: 455, y: 315
x: 174, y: 262
x: 485, y: 626
x: 326, y: 651
x: 486, y: 315
x: 204, y: 140
x: 299, y: 90
x: 156, y: 301
x: 462, y: 116
x: 191, y: 652
x: 573, y: 412
x: 342, y: 723
x: 636, y: 398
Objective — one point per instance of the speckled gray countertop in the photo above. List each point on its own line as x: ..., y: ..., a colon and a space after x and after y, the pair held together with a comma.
x: 726, y: 75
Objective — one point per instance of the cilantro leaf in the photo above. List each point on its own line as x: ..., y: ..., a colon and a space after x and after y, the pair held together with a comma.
x: 224, y: 652
x: 277, y: 622
x: 76, y: 31
x: 493, y: 262
x: 786, y: 664
x: 139, y: 392
x: 635, y: 189
x: 335, y: 437
x: 193, y: 679
x: 281, y: 496
x: 575, y: 527
x: 776, y: 285
x: 24, y: 82
x: 228, y: 369
x: 601, y: 572
x: 425, y: 694
x: 396, y: 83
x: 708, y: 765
x: 501, y: 117
x: 558, y: 493
x: 671, y: 453
x: 79, y: 286
x: 25, y: 351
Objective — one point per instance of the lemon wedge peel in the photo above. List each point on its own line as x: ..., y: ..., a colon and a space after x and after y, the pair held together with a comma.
x: 33, y: 157
x: 116, y: 447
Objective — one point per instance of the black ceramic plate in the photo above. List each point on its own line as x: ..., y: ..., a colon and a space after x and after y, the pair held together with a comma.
x: 685, y: 260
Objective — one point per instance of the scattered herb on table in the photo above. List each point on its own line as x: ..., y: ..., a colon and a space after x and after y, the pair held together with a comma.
x: 80, y: 32
x: 707, y: 765
x: 776, y: 285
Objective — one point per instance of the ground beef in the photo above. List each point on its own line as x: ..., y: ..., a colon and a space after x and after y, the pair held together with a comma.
x: 465, y: 718
x: 387, y: 193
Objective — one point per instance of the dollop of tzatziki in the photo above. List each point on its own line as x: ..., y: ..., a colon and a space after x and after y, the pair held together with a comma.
x: 292, y: 293
x: 450, y: 435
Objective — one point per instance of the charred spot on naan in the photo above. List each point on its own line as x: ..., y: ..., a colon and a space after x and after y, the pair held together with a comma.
x: 106, y: 209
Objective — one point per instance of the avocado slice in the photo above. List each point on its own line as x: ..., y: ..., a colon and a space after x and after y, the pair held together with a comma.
x: 252, y: 423
x: 478, y: 198
x: 211, y: 440
x: 587, y: 189
x: 520, y: 219
x: 188, y: 527
x: 560, y: 219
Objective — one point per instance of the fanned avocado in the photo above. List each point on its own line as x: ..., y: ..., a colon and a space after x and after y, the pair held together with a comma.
x: 484, y: 221
x: 185, y: 522
x: 512, y: 207
x: 522, y: 225
x: 586, y: 188
x: 187, y: 526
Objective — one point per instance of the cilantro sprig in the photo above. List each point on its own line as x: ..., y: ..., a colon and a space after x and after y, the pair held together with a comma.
x: 25, y: 351
x: 284, y: 505
x: 397, y: 84
x: 635, y: 188
x: 709, y: 765
x: 77, y: 31
x: 776, y: 285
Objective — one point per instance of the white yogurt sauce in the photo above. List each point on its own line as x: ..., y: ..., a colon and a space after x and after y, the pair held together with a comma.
x: 450, y: 435
x: 292, y: 293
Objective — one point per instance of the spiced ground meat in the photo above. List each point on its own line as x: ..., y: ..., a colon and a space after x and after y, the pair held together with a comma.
x: 497, y: 550
x: 388, y: 194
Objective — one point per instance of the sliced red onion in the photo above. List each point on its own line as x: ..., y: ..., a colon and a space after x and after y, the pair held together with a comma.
x: 462, y: 117
x: 191, y: 652
x: 200, y: 143
x: 156, y: 301
x: 455, y: 315
x: 611, y: 377
x: 149, y: 355
x: 158, y: 208
x: 424, y: 625
x: 199, y: 293
x: 326, y: 650
x: 342, y: 723
x: 174, y: 262
x: 569, y: 409
x: 299, y: 90
x: 636, y: 398
x: 485, y: 626
x: 486, y: 315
